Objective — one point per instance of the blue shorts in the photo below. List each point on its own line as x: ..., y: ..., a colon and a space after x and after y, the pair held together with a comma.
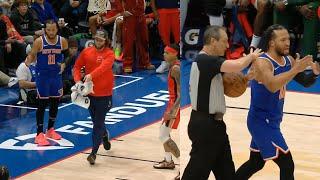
x: 49, y: 86
x: 266, y: 136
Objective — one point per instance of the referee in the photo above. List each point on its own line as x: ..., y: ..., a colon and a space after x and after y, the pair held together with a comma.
x: 207, y: 131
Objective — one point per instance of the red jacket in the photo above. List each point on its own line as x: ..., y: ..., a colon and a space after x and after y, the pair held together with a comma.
x: 136, y: 7
x: 99, y: 65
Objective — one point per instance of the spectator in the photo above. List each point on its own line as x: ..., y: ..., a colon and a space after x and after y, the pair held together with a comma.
x: 12, y: 40
x: 26, y: 76
x: 286, y: 14
x: 70, y: 59
x: 135, y: 31
x: 25, y: 23
x: 44, y: 11
x: 106, y: 18
x: 6, y: 6
x: 5, y: 80
x: 167, y: 12
x: 74, y: 10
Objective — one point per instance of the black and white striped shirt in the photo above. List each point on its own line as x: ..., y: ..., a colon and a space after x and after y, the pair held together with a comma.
x: 206, y: 84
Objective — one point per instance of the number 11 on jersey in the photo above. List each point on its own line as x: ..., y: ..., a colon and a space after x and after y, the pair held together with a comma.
x: 51, y: 59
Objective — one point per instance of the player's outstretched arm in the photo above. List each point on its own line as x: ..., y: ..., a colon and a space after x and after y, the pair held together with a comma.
x: 241, y: 63
x: 264, y: 73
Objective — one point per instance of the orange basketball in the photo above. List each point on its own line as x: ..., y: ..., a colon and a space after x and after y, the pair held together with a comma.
x: 235, y: 84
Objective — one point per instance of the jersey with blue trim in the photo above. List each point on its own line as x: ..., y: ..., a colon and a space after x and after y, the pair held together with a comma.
x: 264, y: 102
x: 49, y: 58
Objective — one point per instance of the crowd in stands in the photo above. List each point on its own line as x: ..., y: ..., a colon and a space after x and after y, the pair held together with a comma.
x: 246, y: 20
x: 22, y: 21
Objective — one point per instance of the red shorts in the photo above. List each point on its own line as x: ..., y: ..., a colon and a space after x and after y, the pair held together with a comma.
x: 173, y: 123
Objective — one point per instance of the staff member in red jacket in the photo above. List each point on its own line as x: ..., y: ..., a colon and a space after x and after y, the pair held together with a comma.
x: 98, y: 61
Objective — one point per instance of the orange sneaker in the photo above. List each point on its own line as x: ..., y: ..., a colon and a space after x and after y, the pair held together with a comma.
x: 51, y: 133
x: 41, y: 140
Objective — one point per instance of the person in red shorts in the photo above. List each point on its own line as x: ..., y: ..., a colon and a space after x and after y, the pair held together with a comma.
x: 168, y: 14
x: 171, y: 116
x: 135, y: 34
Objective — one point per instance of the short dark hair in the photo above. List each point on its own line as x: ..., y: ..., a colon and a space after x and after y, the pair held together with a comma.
x: 51, y: 21
x: 212, y: 32
x: 269, y: 35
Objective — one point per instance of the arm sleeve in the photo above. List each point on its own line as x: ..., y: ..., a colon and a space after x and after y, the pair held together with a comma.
x: 306, y: 79
x: 78, y: 65
x: 106, y: 65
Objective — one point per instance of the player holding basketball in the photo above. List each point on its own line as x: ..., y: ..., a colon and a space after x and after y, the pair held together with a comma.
x: 172, y: 114
x: 207, y: 130
x: 48, y: 50
x: 98, y: 61
x: 272, y: 71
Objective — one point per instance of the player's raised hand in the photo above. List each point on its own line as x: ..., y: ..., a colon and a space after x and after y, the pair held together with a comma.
x: 315, y: 68
x: 255, y: 54
x: 302, y: 63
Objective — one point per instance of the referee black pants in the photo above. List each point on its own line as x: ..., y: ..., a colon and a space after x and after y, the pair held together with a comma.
x: 99, y: 106
x: 210, y: 149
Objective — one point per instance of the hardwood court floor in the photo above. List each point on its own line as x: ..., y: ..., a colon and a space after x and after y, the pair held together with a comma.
x: 302, y: 134
x: 131, y: 158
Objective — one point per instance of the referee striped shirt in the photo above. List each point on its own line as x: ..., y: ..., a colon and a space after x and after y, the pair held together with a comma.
x: 206, y: 84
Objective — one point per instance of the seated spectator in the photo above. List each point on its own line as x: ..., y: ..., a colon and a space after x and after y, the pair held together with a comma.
x: 26, y: 78
x: 25, y: 23
x: 70, y: 60
x: 6, y: 6
x: 74, y: 10
x: 44, y: 11
x: 10, y: 39
x: 5, y: 80
x: 289, y: 14
x: 106, y: 18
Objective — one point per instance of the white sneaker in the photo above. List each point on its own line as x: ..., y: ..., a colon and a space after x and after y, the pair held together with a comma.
x: 12, y: 81
x: 164, y: 66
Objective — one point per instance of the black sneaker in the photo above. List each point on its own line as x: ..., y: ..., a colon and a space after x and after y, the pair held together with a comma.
x: 91, y: 158
x: 106, y: 142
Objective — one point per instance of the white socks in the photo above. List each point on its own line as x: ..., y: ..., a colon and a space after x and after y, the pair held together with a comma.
x: 168, y: 156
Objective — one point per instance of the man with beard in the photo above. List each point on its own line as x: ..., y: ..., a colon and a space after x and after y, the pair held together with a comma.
x: 272, y: 71
x: 49, y: 51
x: 98, y: 61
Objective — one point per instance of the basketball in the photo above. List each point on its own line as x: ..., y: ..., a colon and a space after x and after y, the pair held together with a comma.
x: 235, y: 84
